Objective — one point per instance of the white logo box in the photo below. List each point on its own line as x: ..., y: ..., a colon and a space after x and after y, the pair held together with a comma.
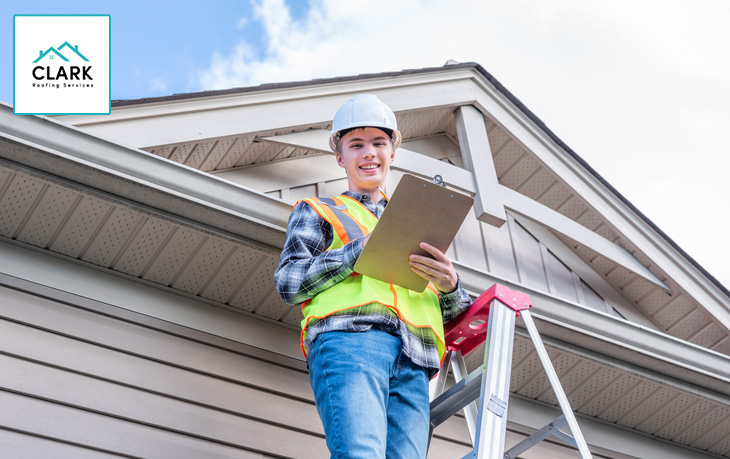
x: 61, y: 64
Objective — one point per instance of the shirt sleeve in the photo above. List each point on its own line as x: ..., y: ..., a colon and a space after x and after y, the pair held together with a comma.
x: 454, y: 303
x: 306, y: 268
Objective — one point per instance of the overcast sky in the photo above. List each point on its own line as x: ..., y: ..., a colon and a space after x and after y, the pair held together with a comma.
x: 640, y: 89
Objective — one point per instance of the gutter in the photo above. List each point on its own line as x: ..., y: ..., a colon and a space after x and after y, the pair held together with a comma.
x: 52, y: 147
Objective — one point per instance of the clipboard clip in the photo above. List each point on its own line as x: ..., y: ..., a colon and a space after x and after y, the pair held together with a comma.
x: 438, y: 180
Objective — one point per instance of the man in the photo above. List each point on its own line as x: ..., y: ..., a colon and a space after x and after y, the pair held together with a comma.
x: 370, y: 346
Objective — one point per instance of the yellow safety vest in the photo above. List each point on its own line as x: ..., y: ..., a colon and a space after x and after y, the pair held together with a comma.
x: 351, y: 220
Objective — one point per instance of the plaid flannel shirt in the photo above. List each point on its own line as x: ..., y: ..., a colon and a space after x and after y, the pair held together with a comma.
x: 307, y: 268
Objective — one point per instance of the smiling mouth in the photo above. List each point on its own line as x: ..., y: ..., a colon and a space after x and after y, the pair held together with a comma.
x: 369, y: 167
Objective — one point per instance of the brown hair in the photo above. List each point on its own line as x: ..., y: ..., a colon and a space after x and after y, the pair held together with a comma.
x: 344, y: 132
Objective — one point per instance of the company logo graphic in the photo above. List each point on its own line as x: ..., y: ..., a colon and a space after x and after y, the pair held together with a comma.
x: 70, y: 78
x: 73, y: 72
x: 56, y: 52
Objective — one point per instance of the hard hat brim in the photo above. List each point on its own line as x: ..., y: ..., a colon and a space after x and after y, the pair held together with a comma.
x: 395, y: 136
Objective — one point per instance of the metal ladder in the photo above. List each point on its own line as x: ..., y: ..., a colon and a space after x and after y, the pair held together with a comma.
x: 491, y: 319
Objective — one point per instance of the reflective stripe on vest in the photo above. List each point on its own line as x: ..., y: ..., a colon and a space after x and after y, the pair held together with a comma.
x: 351, y: 220
x: 344, y: 224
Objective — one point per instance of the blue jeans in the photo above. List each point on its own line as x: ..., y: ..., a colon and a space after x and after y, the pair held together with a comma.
x: 373, y: 401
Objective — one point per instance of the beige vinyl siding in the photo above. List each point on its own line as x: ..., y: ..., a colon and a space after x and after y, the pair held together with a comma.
x: 80, y: 382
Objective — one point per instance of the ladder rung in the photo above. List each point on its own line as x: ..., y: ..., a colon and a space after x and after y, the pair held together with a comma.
x: 456, y: 398
x: 552, y: 428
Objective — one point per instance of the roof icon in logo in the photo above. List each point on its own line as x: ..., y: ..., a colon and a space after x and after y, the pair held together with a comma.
x: 52, y: 52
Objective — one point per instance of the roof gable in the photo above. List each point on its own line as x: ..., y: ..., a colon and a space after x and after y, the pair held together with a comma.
x: 510, y: 162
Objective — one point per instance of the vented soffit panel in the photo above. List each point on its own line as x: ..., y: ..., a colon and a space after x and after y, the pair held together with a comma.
x: 62, y: 151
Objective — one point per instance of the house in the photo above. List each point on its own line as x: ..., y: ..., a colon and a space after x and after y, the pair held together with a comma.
x: 138, y: 315
x: 51, y: 53
x: 75, y: 49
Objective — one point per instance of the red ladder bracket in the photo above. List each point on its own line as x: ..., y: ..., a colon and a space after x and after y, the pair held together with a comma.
x: 469, y: 329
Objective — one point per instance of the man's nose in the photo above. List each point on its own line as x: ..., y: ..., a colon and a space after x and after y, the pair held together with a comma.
x: 368, y: 151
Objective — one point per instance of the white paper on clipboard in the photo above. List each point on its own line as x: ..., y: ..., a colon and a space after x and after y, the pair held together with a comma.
x: 419, y: 211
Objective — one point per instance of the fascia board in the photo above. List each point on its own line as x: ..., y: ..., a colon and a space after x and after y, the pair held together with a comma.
x: 198, y: 119
x: 62, y: 151
x: 405, y: 160
x: 616, y: 340
x: 497, y: 106
x: 294, y: 95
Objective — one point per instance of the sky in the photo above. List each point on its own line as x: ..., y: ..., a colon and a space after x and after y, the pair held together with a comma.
x: 640, y: 89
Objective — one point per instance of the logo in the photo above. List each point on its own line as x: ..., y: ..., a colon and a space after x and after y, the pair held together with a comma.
x: 69, y: 76
x: 62, y: 72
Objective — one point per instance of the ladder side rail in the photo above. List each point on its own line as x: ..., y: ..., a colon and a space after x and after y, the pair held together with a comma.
x: 436, y: 387
x: 471, y: 411
x: 555, y: 383
x: 494, y: 393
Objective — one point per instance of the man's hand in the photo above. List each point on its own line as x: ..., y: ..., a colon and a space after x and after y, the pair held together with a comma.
x: 438, y: 270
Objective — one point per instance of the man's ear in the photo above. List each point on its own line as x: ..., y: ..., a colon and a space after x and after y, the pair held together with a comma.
x: 338, y: 157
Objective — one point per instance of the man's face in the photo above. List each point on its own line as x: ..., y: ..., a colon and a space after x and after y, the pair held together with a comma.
x: 365, y: 154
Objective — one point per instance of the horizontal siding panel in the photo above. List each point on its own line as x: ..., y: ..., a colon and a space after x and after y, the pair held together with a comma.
x: 19, y: 445
x: 160, y: 412
x: 454, y: 429
x: 71, y: 425
x: 441, y: 449
x: 160, y: 346
x: 97, y: 370
x: 142, y: 378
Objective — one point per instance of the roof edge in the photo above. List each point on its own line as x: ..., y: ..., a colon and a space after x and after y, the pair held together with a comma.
x: 539, y: 123
x: 448, y: 67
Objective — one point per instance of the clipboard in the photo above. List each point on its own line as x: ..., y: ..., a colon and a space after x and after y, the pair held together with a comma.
x: 419, y: 211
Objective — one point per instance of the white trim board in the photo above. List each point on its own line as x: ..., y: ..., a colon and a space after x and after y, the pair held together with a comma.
x: 405, y: 160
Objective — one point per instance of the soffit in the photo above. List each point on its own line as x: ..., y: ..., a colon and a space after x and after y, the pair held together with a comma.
x: 602, y: 390
x: 138, y: 242
x: 247, y: 149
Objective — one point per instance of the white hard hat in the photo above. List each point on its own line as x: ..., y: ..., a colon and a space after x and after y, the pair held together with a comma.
x: 364, y: 110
